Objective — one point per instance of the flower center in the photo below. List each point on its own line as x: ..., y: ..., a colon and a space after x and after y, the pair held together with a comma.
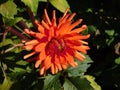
x: 56, y: 46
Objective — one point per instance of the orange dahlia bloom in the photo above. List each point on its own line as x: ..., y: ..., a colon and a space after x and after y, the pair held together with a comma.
x: 55, y: 46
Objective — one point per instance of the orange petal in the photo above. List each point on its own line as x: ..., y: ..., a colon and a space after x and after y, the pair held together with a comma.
x: 64, y: 28
x: 47, y: 17
x: 42, y: 70
x: 63, y: 62
x: 29, y: 32
x: 40, y: 27
x: 39, y: 35
x: 78, y: 30
x: 77, y: 37
x: 57, y: 63
x: 63, y: 20
x: 70, y: 60
x: 29, y: 55
x: 47, y: 62
x: 32, y: 42
x: 64, y: 66
x: 83, y: 42
x: 65, y: 13
x: 52, y: 68
x: 56, y: 69
x: 54, y: 19
x: 40, y: 47
x: 82, y: 48
x: 37, y: 63
x: 74, y: 24
x: 42, y: 55
x: 29, y: 47
x: 71, y: 17
x: 45, y: 25
x: 51, y: 32
x: 79, y: 56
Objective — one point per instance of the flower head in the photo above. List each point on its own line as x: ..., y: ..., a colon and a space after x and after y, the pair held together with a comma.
x: 56, y: 45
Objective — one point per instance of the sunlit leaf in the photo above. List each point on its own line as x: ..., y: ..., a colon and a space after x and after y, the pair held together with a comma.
x: 60, y: 4
x: 91, y: 79
x: 33, y: 4
x: 7, y: 83
x: 117, y: 60
x: 8, y: 9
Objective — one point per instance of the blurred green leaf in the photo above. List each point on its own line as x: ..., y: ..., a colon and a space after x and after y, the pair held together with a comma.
x: 81, y: 68
x: 8, y: 9
x: 11, y: 22
x: 61, y: 5
x: 51, y: 82
x: 90, y: 30
x: 68, y: 85
x: 91, y: 79
x: 32, y: 4
x: 7, y: 83
x: 42, y: 0
x: 21, y: 62
x: 6, y: 42
x: 80, y: 83
x: 110, y: 32
x: 117, y: 60
x: 19, y: 69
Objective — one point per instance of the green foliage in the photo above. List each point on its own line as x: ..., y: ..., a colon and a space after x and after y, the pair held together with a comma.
x: 8, y: 9
x: 68, y: 85
x: 11, y: 22
x: 33, y: 4
x: 117, y: 60
x: 51, y: 82
x: 7, y: 83
x: 91, y: 79
x: 81, y: 83
x: 60, y: 4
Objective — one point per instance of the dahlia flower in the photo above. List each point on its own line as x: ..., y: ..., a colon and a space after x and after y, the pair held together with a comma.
x: 56, y: 45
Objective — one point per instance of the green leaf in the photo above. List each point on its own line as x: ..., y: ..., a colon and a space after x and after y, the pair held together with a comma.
x: 33, y: 4
x: 6, y: 42
x: 68, y: 85
x: 90, y: 30
x: 60, y: 4
x: 51, y: 82
x: 7, y: 83
x: 110, y: 32
x: 117, y: 60
x: 19, y: 69
x: 11, y: 22
x: 81, y: 68
x: 91, y: 79
x: 8, y: 9
x: 21, y: 62
x: 80, y: 83
x: 42, y: 0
